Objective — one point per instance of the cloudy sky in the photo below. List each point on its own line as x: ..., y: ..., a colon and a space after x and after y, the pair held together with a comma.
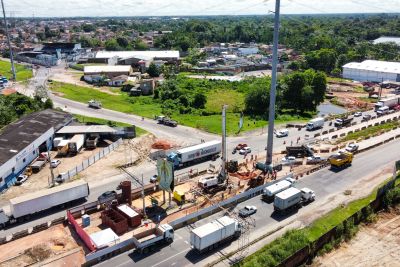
x: 70, y: 8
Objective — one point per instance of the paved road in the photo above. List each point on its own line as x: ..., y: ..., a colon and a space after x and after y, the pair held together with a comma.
x: 324, y: 183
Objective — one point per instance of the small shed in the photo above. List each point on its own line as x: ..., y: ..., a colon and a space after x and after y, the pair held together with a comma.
x: 134, y: 218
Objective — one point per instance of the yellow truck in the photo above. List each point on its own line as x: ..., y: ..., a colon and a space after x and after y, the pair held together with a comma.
x: 341, y: 159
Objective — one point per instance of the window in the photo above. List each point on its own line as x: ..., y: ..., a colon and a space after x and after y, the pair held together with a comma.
x: 24, y: 160
x: 1, y: 179
x: 33, y: 152
x: 13, y: 169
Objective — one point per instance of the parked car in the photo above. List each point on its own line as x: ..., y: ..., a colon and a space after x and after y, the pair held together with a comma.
x: 247, y: 211
x: 366, y: 117
x: 154, y: 178
x: 107, y: 195
x: 245, y: 150
x: 54, y: 163
x: 289, y: 159
x: 352, y: 147
x: 60, y: 177
x: 315, y: 159
x: 291, y: 180
x: 21, y: 179
x: 357, y: 114
x: 282, y: 133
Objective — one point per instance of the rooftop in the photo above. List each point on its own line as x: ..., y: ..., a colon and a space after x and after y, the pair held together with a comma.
x: 86, y: 129
x: 387, y: 39
x: 375, y: 65
x: 106, y: 68
x: 18, y: 135
x: 146, y: 55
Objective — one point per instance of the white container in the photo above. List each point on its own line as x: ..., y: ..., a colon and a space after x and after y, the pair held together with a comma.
x: 45, y: 199
x: 211, y: 233
x: 76, y: 143
x: 57, y: 141
x: 199, y: 151
x: 287, y: 198
x: 315, y: 123
x: 276, y: 188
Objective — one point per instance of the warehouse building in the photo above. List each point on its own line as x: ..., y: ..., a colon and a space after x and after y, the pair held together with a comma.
x: 372, y: 71
x: 101, y: 72
x: 22, y: 141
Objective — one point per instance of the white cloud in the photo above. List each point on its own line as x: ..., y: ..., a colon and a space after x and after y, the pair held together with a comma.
x: 70, y: 8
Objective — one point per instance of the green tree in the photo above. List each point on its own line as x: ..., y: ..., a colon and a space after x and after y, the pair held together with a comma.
x: 199, y: 100
x: 112, y: 45
x: 323, y: 60
x: 257, y: 101
x: 153, y: 70
x: 122, y: 42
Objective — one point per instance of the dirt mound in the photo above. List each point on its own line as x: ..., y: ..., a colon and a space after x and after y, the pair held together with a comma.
x: 161, y: 144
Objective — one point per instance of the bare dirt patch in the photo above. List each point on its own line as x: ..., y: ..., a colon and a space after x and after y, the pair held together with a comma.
x: 374, y: 245
x: 37, y: 247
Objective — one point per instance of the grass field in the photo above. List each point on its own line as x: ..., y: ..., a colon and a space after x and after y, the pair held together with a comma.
x: 85, y: 119
x: 370, y: 131
x: 22, y: 73
x: 146, y: 106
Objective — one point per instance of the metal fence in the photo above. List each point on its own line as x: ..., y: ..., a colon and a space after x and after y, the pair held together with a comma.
x: 90, y: 161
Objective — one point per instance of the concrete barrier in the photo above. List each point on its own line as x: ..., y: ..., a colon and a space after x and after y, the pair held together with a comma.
x: 376, y: 123
x: 383, y: 122
x: 334, y: 136
x: 342, y: 134
x: 364, y: 127
x: 325, y: 132
x: 356, y: 130
x: 331, y: 130
x: 316, y: 135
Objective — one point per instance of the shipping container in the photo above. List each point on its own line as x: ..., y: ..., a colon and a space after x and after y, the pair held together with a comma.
x: 289, y: 198
x: 45, y: 199
x: 213, y: 233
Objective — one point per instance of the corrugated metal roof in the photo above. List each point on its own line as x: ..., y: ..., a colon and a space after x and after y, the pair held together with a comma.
x: 86, y: 129
x: 387, y: 39
x: 106, y: 68
x: 146, y: 55
x: 375, y: 65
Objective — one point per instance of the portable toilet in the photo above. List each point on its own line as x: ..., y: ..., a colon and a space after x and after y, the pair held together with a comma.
x: 85, y: 220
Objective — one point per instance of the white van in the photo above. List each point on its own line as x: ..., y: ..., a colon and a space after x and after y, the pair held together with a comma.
x: 382, y: 110
x: 282, y: 133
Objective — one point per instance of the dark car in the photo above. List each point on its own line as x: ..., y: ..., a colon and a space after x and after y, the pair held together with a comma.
x: 247, y: 211
x: 108, y: 195
x: 366, y: 117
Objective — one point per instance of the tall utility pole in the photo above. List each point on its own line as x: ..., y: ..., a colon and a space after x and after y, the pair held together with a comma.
x: 14, y: 76
x: 224, y: 154
x: 272, y: 99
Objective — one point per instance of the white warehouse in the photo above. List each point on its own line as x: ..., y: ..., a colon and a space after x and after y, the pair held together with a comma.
x: 372, y: 71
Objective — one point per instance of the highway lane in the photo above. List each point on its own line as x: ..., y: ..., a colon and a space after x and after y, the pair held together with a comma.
x: 325, y: 183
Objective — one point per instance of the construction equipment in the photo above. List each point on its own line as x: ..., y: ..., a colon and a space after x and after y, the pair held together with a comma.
x: 299, y: 151
x: 341, y: 159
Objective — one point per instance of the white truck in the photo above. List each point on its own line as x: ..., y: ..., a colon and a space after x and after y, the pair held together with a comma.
x: 94, y: 104
x: 76, y: 143
x: 314, y: 124
x: 23, y: 206
x: 389, y: 102
x: 154, y: 236
x: 197, y: 153
x: 269, y: 192
x: 292, y: 197
x: 211, y: 235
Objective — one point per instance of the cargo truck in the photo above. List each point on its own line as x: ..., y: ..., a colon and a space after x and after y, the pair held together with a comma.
x: 341, y: 159
x: 343, y: 122
x: 144, y: 240
x: 22, y: 207
x: 37, y: 165
x: 269, y: 192
x: 166, y: 121
x: 292, y: 198
x: 389, y: 102
x: 76, y: 144
x: 211, y: 235
x: 192, y: 154
x: 314, y: 124
x: 91, y: 142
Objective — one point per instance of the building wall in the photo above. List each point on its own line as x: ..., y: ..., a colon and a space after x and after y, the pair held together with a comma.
x: 20, y: 161
x: 370, y: 76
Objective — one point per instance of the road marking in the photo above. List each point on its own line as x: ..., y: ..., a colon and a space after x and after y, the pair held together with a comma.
x: 178, y: 237
x: 167, y: 259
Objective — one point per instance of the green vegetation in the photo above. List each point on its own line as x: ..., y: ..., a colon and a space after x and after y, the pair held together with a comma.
x: 22, y: 72
x: 281, y: 248
x: 371, y: 131
x: 13, y: 107
x: 86, y: 119
x: 193, y: 102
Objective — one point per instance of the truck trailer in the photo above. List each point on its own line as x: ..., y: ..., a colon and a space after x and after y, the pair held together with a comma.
x: 23, y: 206
x: 389, y: 102
x: 210, y: 235
x: 292, y: 198
x: 76, y: 143
x: 192, y: 154
x: 270, y: 191
x: 343, y: 122
x: 315, y: 124
x: 152, y: 237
